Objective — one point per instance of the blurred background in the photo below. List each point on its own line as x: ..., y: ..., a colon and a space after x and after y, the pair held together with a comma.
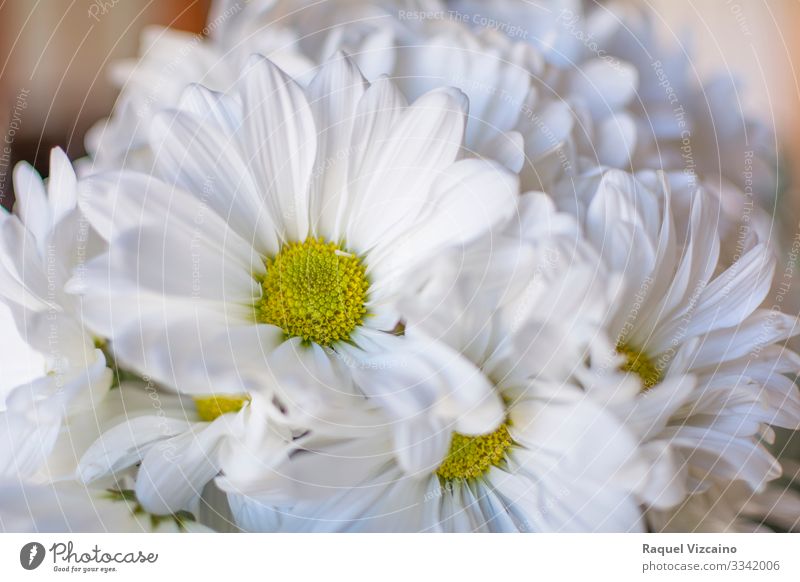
x: 53, y: 60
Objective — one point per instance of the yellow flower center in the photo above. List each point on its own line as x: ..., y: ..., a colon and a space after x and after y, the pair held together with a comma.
x: 472, y: 456
x: 637, y: 362
x: 211, y: 407
x: 314, y: 290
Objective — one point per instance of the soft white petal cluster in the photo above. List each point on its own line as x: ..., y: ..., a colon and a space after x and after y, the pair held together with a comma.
x: 401, y: 266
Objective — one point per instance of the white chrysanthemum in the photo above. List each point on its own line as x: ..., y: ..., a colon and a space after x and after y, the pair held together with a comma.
x: 179, y: 449
x: 712, y: 363
x: 47, y: 423
x: 561, y: 461
x: 636, y: 103
x: 58, y: 499
x: 280, y: 237
x: 40, y: 245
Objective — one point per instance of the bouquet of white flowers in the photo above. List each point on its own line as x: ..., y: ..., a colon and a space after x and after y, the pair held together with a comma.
x: 388, y: 266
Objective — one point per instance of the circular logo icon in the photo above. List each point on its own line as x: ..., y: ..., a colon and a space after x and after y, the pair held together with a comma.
x: 31, y: 555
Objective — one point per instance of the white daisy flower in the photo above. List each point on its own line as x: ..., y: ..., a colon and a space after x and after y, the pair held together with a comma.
x: 577, y: 114
x: 615, y: 95
x: 177, y: 448
x: 280, y: 237
x: 711, y: 361
x: 48, y: 422
x: 561, y: 461
x: 41, y: 244
x: 47, y: 492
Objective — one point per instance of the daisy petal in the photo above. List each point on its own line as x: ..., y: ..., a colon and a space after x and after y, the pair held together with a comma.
x: 175, y: 471
x: 391, y: 190
x: 199, y: 158
x: 281, y: 141
x: 334, y: 95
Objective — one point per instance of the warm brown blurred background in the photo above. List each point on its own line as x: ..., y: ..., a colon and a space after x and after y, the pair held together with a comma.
x: 53, y: 56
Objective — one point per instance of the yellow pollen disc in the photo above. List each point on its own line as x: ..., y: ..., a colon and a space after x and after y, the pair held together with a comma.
x: 637, y: 362
x: 472, y: 456
x: 211, y: 407
x: 314, y: 290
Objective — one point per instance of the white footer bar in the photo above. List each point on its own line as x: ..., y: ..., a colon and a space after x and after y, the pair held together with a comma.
x: 412, y: 558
